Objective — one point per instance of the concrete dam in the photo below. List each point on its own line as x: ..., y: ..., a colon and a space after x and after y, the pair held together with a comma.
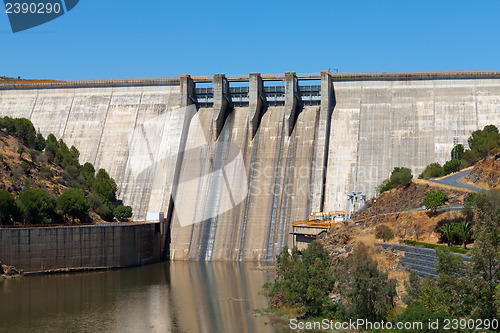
x: 304, y: 141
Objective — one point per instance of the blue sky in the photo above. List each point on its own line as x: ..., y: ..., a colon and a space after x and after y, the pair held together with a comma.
x: 157, y: 38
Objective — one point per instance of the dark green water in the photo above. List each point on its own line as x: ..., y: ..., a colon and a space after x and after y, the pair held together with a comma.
x: 164, y: 297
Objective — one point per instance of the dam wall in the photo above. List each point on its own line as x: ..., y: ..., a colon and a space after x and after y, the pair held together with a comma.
x: 304, y: 145
x: 47, y: 249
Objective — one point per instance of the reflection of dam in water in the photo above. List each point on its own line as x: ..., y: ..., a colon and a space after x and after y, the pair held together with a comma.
x: 164, y: 297
x: 306, y: 141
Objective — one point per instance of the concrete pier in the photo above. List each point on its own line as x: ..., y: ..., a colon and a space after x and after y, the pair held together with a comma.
x: 221, y: 103
x: 291, y: 101
x: 255, y: 101
x: 187, y: 90
x: 322, y: 143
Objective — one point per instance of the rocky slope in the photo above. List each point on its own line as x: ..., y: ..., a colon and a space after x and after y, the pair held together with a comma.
x: 486, y: 173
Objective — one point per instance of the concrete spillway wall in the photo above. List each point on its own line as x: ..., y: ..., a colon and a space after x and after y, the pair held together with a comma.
x: 368, y: 126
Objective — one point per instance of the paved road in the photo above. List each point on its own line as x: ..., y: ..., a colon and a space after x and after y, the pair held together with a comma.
x: 453, y: 180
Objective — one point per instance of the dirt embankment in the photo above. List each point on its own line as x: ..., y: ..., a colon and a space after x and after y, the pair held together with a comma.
x: 410, y: 197
x: 486, y: 173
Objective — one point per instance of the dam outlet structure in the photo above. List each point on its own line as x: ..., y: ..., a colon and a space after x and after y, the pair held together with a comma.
x: 304, y: 142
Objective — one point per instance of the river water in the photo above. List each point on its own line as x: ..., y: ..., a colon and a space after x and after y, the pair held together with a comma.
x: 164, y: 297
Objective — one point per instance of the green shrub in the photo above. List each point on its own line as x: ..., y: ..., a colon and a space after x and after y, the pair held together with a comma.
x: 37, y: 206
x: 457, y: 153
x: 104, y: 186
x: 21, y: 150
x: 436, y: 246
x: 101, y: 206
x: 8, y: 208
x: 302, y: 282
x: 434, y: 199
x: 25, y: 166
x: 73, y: 204
x: 34, y: 154
x: 433, y: 170
x: 123, y: 212
x: 452, y: 166
x: 21, y: 128
x: 399, y: 176
x: 40, y: 142
x: 481, y: 142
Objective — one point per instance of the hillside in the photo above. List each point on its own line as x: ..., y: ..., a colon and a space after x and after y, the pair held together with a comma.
x: 400, y: 209
x: 42, y: 181
x: 19, y: 171
x: 486, y: 173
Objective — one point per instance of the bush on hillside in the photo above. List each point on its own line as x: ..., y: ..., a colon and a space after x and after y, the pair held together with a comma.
x: 451, y: 166
x: 457, y: 152
x: 399, y: 176
x: 73, y: 204
x: 384, y: 232
x: 37, y: 206
x: 434, y: 199
x: 123, y: 212
x: 8, y: 208
x: 433, y: 170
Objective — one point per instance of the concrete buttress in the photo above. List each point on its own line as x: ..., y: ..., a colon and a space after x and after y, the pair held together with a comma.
x: 255, y: 101
x: 221, y: 103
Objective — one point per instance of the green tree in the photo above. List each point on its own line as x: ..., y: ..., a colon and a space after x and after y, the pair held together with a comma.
x: 37, y: 206
x: 88, y: 173
x: 452, y: 166
x: 105, y: 186
x: 399, y: 176
x: 448, y: 231
x: 123, y: 212
x: 22, y: 129
x: 40, y: 142
x: 21, y: 150
x: 8, y: 208
x: 412, y: 287
x: 481, y: 142
x: 433, y: 170
x: 50, y: 151
x: 454, y: 284
x: 368, y: 293
x: 434, y: 199
x: 486, y: 251
x: 101, y: 206
x: 73, y: 204
x: 302, y: 282
x: 463, y: 230
x: 52, y: 140
x: 457, y: 153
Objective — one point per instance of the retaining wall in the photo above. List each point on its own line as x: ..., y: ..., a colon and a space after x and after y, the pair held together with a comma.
x: 81, y: 247
x: 419, y: 260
